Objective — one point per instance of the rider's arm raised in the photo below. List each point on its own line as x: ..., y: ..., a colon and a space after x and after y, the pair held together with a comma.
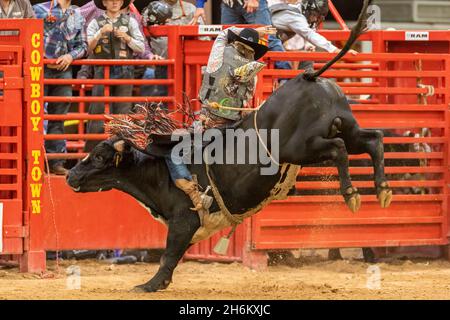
x: 299, y: 24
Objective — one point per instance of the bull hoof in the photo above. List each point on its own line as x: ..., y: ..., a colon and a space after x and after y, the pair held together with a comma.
x: 352, y: 199
x: 152, y: 286
x: 385, y: 197
x: 143, y: 288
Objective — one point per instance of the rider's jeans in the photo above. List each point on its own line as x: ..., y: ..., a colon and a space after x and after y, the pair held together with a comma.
x: 177, y: 171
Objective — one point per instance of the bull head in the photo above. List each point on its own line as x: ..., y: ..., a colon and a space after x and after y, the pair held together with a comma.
x: 100, y: 169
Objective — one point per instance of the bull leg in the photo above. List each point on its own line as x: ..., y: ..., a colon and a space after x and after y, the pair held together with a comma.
x: 369, y: 255
x: 334, y: 254
x: 371, y: 142
x: 334, y: 149
x: 181, y: 230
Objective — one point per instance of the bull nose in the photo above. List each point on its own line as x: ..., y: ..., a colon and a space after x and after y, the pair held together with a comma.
x: 69, y: 177
x: 72, y: 182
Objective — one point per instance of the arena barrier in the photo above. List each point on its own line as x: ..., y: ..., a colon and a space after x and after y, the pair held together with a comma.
x: 394, y: 88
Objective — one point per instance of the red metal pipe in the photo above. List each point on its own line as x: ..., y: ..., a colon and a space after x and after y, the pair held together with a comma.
x: 316, y: 185
x: 377, y: 90
x: 402, y: 107
x: 85, y: 136
x: 108, y: 99
x: 121, y: 62
x: 107, y: 89
x: 358, y: 84
x: 78, y: 146
x: 53, y: 156
x: 350, y: 65
x: 113, y: 82
x: 402, y: 155
x: 82, y: 116
x: 277, y: 73
x: 81, y: 109
x: 325, y: 56
x: 319, y: 171
x: 337, y: 16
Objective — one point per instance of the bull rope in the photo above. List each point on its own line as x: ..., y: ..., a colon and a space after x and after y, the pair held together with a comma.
x: 261, y: 140
x: 223, y: 218
x: 214, y: 222
x: 215, y: 105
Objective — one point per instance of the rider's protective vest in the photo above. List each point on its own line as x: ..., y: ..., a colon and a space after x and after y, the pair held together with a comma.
x: 222, y: 88
x: 283, y: 34
x: 109, y: 46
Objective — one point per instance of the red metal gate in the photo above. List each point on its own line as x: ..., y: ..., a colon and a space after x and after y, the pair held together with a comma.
x: 397, y: 86
x: 11, y: 132
x: 21, y: 136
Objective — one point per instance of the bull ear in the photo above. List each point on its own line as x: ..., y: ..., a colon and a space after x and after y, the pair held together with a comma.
x: 119, y: 146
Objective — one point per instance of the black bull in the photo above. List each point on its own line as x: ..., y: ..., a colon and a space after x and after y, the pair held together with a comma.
x: 315, y: 124
x: 303, y: 111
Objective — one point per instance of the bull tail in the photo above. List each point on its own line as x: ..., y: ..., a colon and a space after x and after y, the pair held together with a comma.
x: 357, y: 30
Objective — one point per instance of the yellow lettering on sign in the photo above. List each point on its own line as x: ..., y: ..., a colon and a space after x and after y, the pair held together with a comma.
x: 35, y: 73
x: 35, y: 206
x: 35, y: 110
x: 36, y: 40
x: 35, y: 90
x: 35, y: 121
x: 35, y: 189
x: 36, y: 174
x: 35, y: 57
x: 35, y: 107
x: 36, y: 154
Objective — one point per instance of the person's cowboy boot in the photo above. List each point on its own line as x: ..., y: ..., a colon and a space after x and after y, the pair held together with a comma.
x: 200, y: 201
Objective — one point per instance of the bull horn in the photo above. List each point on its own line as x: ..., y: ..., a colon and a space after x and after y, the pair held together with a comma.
x: 119, y: 146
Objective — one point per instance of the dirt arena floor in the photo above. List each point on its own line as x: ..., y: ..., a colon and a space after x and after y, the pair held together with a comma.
x: 303, y: 278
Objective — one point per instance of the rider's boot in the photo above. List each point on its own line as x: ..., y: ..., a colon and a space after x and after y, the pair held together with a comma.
x: 200, y: 201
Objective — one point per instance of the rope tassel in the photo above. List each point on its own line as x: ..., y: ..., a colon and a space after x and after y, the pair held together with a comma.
x: 149, y: 119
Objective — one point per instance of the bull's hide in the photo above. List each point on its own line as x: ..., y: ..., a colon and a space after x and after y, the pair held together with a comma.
x: 217, y: 221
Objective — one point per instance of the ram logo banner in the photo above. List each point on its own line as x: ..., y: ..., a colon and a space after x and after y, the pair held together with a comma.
x: 417, y: 36
x: 209, y: 29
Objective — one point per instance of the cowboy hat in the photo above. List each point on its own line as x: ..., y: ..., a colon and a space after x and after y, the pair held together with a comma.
x: 99, y: 4
x: 249, y: 37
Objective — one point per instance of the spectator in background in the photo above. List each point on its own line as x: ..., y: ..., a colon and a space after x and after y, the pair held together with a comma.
x: 16, y: 9
x: 293, y: 17
x: 113, y: 35
x: 181, y: 13
x: 245, y: 12
x: 90, y: 11
x: 65, y: 41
